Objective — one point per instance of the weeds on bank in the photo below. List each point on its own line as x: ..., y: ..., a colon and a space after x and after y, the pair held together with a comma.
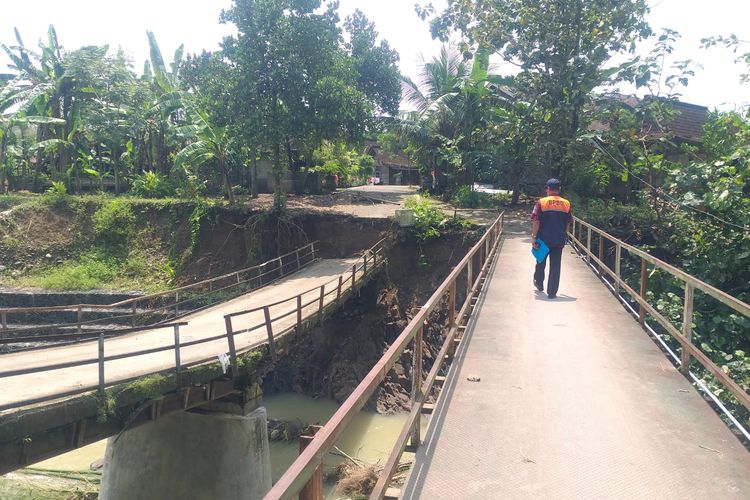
x: 96, y: 270
x: 430, y: 222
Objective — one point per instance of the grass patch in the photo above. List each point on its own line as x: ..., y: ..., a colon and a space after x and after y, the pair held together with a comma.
x: 88, y: 273
x: 11, y: 200
x: 97, y: 270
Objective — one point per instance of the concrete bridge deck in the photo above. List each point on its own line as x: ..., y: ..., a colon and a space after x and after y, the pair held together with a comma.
x: 203, y: 324
x: 574, y: 401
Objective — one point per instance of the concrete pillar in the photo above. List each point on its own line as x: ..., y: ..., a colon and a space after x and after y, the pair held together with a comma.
x: 190, y: 456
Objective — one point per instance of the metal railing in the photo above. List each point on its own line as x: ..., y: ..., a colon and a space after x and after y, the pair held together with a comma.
x: 473, y: 268
x: 690, y: 283
x: 371, y: 259
x: 158, y: 307
x: 368, y: 263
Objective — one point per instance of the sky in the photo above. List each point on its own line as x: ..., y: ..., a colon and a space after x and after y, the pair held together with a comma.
x: 195, y: 23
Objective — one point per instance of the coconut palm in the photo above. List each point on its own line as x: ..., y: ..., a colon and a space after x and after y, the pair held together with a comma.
x: 446, y: 104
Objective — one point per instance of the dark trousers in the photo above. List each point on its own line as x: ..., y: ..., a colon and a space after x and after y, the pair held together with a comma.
x: 554, y: 256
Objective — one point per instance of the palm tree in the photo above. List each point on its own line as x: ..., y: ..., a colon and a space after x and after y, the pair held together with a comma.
x: 444, y: 114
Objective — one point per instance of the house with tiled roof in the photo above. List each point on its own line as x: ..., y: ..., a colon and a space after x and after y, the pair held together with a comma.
x: 392, y: 169
x: 678, y: 123
x: 683, y: 123
x: 687, y: 124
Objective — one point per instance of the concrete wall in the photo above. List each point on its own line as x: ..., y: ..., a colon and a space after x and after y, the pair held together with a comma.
x: 190, y: 456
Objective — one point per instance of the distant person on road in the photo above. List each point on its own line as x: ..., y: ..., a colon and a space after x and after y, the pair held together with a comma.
x: 551, y: 217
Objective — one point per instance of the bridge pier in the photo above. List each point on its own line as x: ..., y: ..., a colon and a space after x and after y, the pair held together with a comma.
x: 191, y: 455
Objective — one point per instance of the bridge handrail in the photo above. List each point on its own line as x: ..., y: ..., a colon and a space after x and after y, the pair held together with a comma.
x: 683, y: 336
x: 374, y: 251
x: 295, y: 478
x: 377, y: 249
x: 301, y: 254
x: 91, y: 361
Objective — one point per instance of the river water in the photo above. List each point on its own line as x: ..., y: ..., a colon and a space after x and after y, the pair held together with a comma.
x: 370, y: 437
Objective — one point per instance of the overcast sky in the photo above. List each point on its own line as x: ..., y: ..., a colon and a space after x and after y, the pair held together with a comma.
x: 195, y: 23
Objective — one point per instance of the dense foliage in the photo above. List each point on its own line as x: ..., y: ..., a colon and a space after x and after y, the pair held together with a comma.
x: 684, y: 198
x: 295, y: 77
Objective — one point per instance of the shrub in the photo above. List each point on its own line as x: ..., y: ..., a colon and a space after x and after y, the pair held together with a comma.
x: 189, y: 186
x: 113, y: 222
x: 428, y: 219
x: 240, y: 190
x: 152, y: 185
x: 57, y: 193
x: 201, y: 212
x: 465, y: 197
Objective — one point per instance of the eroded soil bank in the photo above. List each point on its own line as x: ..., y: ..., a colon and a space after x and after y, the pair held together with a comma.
x: 333, y: 358
x: 195, y: 242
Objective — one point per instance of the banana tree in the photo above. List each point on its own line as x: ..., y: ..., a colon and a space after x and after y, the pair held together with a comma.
x: 12, y: 147
x: 164, y: 114
x: 213, y: 144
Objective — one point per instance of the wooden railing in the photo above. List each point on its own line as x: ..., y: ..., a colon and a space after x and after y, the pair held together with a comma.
x: 584, y: 235
x: 471, y: 270
x: 158, y: 307
x: 371, y: 260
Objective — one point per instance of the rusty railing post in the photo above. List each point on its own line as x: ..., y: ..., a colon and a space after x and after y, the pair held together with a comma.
x: 281, y: 267
x: 101, y: 367
x: 320, y: 304
x: 644, y: 289
x: 469, y: 278
x: 80, y: 317
x: 230, y: 342
x: 299, y: 314
x: 364, y: 272
x: 354, y: 276
x: 176, y: 304
x: 313, y: 490
x: 416, y: 384
x: 269, y: 331
x: 601, y: 251
x: 618, y: 255
x: 687, y: 327
x: 177, y: 367
x: 588, y: 244
x: 452, y: 306
x: 338, y: 289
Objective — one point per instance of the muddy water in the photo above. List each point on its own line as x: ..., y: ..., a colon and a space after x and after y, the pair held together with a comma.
x: 369, y: 437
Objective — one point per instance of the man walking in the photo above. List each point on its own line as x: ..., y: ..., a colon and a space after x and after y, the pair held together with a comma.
x: 551, y: 217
